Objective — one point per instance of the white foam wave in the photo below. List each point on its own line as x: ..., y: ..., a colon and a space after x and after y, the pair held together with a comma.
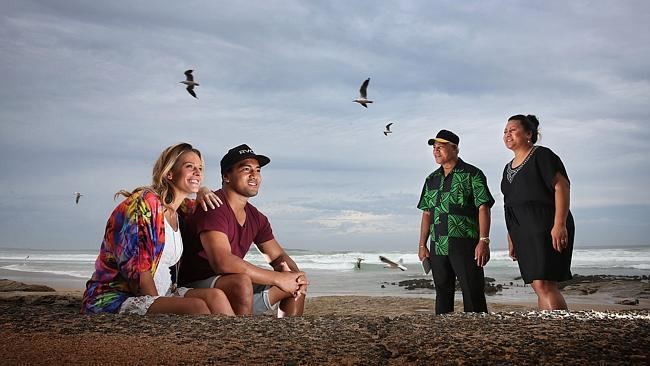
x: 641, y: 266
x: 598, y: 258
x: 59, y: 262
x: 49, y: 257
x: 21, y: 268
x: 338, y: 261
x: 612, y: 255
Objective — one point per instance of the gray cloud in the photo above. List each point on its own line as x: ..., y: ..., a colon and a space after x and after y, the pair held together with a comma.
x: 95, y: 97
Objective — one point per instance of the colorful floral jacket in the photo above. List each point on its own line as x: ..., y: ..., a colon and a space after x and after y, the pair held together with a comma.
x: 133, y: 243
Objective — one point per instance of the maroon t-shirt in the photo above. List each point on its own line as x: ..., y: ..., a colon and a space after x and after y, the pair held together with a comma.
x: 194, y: 263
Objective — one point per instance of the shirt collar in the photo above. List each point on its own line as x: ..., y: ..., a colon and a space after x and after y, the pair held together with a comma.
x: 459, y: 167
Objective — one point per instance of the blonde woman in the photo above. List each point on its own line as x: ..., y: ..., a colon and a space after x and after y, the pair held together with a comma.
x: 142, y: 241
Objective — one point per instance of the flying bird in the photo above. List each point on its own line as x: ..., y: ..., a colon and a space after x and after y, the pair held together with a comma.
x: 391, y: 264
x: 363, y: 95
x: 77, y: 195
x: 387, y: 130
x: 189, y: 81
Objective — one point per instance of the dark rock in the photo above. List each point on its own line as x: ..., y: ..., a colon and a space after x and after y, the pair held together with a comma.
x: 628, y: 302
x: 417, y: 283
x: 589, y: 290
x: 424, y: 283
x: 491, y: 289
x: 578, y: 279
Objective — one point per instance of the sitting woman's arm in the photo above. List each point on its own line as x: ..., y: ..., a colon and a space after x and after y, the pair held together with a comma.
x: 147, y: 286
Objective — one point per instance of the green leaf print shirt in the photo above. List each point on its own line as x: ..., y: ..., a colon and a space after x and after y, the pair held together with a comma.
x: 453, y: 202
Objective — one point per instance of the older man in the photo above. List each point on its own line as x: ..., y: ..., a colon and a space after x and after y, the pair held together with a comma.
x: 216, y: 242
x: 455, y: 204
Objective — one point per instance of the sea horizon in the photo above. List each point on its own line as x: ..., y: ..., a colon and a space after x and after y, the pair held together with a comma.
x: 333, y: 272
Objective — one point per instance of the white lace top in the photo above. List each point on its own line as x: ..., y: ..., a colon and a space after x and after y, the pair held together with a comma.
x: 170, y: 256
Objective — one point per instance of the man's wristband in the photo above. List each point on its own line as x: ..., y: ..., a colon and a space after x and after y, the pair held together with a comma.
x: 485, y: 239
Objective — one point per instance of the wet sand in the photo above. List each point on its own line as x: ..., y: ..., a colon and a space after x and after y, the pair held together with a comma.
x: 46, y: 328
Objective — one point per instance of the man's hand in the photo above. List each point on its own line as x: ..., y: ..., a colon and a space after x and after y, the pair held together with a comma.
x: 302, y: 289
x: 205, y: 197
x: 423, y: 252
x: 481, y: 253
x: 290, y: 281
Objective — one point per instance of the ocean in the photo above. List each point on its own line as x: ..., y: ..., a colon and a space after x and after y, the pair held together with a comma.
x: 332, y: 273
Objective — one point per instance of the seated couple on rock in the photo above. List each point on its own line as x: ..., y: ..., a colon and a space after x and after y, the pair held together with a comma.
x: 139, y: 266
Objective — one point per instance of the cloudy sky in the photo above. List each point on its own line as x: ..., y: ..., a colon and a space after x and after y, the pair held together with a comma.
x: 91, y: 96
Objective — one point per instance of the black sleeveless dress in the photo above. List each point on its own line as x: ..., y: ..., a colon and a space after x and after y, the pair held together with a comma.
x: 529, y: 198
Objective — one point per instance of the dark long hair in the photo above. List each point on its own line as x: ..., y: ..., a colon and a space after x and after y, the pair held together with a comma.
x: 530, y: 123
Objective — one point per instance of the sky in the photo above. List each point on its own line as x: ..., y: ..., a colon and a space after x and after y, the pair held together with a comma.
x: 92, y: 96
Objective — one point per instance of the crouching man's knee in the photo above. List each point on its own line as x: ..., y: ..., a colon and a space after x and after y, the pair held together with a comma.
x: 239, y: 290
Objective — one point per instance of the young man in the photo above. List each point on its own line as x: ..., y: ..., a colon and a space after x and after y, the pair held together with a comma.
x: 455, y: 204
x: 217, y: 241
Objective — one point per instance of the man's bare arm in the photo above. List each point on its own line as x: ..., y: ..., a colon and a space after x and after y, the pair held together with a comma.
x: 222, y: 261
x: 275, y: 256
x: 425, y: 227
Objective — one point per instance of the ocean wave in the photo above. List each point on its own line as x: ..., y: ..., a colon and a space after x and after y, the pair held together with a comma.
x: 612, y: 258
x: 49, y: 257
x: 71, y: 263
x: 641, y: 266
x: 22, y: 268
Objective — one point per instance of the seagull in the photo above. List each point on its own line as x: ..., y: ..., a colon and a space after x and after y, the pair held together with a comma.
x: 77, y: 195
x: 363, y: 100
x: 189, y: 81
x: 358, y: 265
x: 387, y: 130
x: 391, y: 264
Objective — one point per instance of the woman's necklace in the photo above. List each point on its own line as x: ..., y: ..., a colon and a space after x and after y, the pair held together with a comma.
x: 174, y: 285
x: 510, y: 172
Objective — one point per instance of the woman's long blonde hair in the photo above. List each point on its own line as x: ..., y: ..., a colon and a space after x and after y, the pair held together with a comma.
x: 165, y: 163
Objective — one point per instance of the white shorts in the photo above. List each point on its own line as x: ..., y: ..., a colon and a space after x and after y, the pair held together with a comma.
x: 141, y: 304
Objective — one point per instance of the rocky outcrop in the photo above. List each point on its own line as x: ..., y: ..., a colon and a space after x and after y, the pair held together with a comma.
x: 424, y: 283
x: 8, y: 285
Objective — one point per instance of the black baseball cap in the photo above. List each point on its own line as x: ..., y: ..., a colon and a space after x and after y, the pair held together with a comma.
x: 445, y: 137
x: 239, y: 153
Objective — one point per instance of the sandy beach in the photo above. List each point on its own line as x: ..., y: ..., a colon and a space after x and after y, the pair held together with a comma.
x: 44, y: 327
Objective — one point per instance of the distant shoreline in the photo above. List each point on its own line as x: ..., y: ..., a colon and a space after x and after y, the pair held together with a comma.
x: 583, y: 293
x: 576, y: 246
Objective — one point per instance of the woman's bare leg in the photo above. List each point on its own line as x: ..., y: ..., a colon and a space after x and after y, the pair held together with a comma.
x: 549, y: 296
x: 216, y: 299
x: 178, y: 305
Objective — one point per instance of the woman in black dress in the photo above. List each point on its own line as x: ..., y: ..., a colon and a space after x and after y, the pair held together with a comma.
x: 535, y: 189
